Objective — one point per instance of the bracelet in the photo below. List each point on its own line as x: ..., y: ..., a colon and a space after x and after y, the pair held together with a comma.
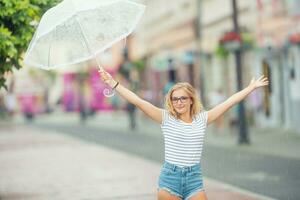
x: 115, y: 86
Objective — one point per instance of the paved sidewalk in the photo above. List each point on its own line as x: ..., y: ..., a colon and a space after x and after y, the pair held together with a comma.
x: 41, y: 165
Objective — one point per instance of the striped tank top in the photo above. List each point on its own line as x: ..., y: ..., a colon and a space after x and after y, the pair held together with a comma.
x: 183, y: 141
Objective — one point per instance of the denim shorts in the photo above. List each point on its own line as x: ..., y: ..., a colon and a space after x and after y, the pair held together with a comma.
x: 184, y: 182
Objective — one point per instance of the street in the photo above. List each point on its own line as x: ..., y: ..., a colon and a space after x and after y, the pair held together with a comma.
x: 273, y: 176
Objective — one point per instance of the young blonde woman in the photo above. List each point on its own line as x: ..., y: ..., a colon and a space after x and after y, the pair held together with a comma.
x: 183, y: 123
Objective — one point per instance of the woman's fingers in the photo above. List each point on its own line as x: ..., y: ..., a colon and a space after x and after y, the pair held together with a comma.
x: 265, y: 79
x: 261, y: 77
x: 104, y: 75
x: 261, y: 81
x: 264, y: 83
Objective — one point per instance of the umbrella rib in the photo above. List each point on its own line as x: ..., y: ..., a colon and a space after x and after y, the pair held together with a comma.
x: 49, y: 55
x: 84, y: 37
x: 86, y: 42
x: 49, y: 50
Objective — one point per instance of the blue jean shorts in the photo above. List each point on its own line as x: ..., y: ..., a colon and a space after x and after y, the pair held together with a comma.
x: 184, y: 182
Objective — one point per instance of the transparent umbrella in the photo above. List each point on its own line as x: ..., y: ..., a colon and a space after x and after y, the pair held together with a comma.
x: 76, y: 31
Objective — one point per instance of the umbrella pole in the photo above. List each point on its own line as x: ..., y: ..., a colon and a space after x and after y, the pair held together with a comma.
x: 87, y: 44
x: 99, y: 66
x: 108, y: 92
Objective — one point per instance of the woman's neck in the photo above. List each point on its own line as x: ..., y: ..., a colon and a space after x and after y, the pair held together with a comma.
x: 186, y: 117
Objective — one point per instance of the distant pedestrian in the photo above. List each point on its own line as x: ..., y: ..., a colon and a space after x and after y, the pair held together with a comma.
x: 2, y: 107
x: 10, y: 99
x: 10, y: 103
x: 167, y: 87
x: 81, y: 95
x: 131, y: 108
x: 183, y: 124
x: 217, y: 97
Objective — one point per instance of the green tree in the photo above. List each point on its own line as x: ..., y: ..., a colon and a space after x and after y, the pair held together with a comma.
x: 18, y: 19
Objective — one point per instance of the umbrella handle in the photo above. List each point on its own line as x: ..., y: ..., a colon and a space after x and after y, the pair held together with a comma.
x: 107, y: 92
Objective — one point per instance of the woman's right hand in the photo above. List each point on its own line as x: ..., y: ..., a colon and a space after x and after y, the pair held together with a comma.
x: 107, y: 78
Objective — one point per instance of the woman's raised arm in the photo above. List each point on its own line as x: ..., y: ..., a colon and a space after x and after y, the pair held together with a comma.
x: 220, y: 109
x: 152, y: 111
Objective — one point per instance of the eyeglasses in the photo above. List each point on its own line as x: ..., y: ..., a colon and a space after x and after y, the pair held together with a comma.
x: 183, y: 99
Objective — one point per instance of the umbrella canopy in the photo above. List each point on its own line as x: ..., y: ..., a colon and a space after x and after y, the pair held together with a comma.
x: 76, y: 31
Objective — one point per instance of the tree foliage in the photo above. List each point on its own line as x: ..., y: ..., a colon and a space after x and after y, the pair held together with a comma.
x: 18, y: 19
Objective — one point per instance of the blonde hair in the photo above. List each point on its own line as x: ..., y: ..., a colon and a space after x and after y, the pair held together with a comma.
x: 196, y: 105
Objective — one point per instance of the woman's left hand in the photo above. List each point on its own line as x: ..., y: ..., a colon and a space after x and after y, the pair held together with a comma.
x: 107, y: 78
x: 260, y: 82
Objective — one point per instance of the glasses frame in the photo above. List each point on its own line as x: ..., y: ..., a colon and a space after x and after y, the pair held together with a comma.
x: 182, y: 99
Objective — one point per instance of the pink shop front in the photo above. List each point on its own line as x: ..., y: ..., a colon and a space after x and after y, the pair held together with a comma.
x: 85, y: 88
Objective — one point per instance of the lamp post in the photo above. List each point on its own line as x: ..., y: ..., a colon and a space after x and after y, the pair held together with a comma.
x: 243, y: 129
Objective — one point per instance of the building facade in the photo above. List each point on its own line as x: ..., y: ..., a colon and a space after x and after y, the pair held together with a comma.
x: 169, y: 38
